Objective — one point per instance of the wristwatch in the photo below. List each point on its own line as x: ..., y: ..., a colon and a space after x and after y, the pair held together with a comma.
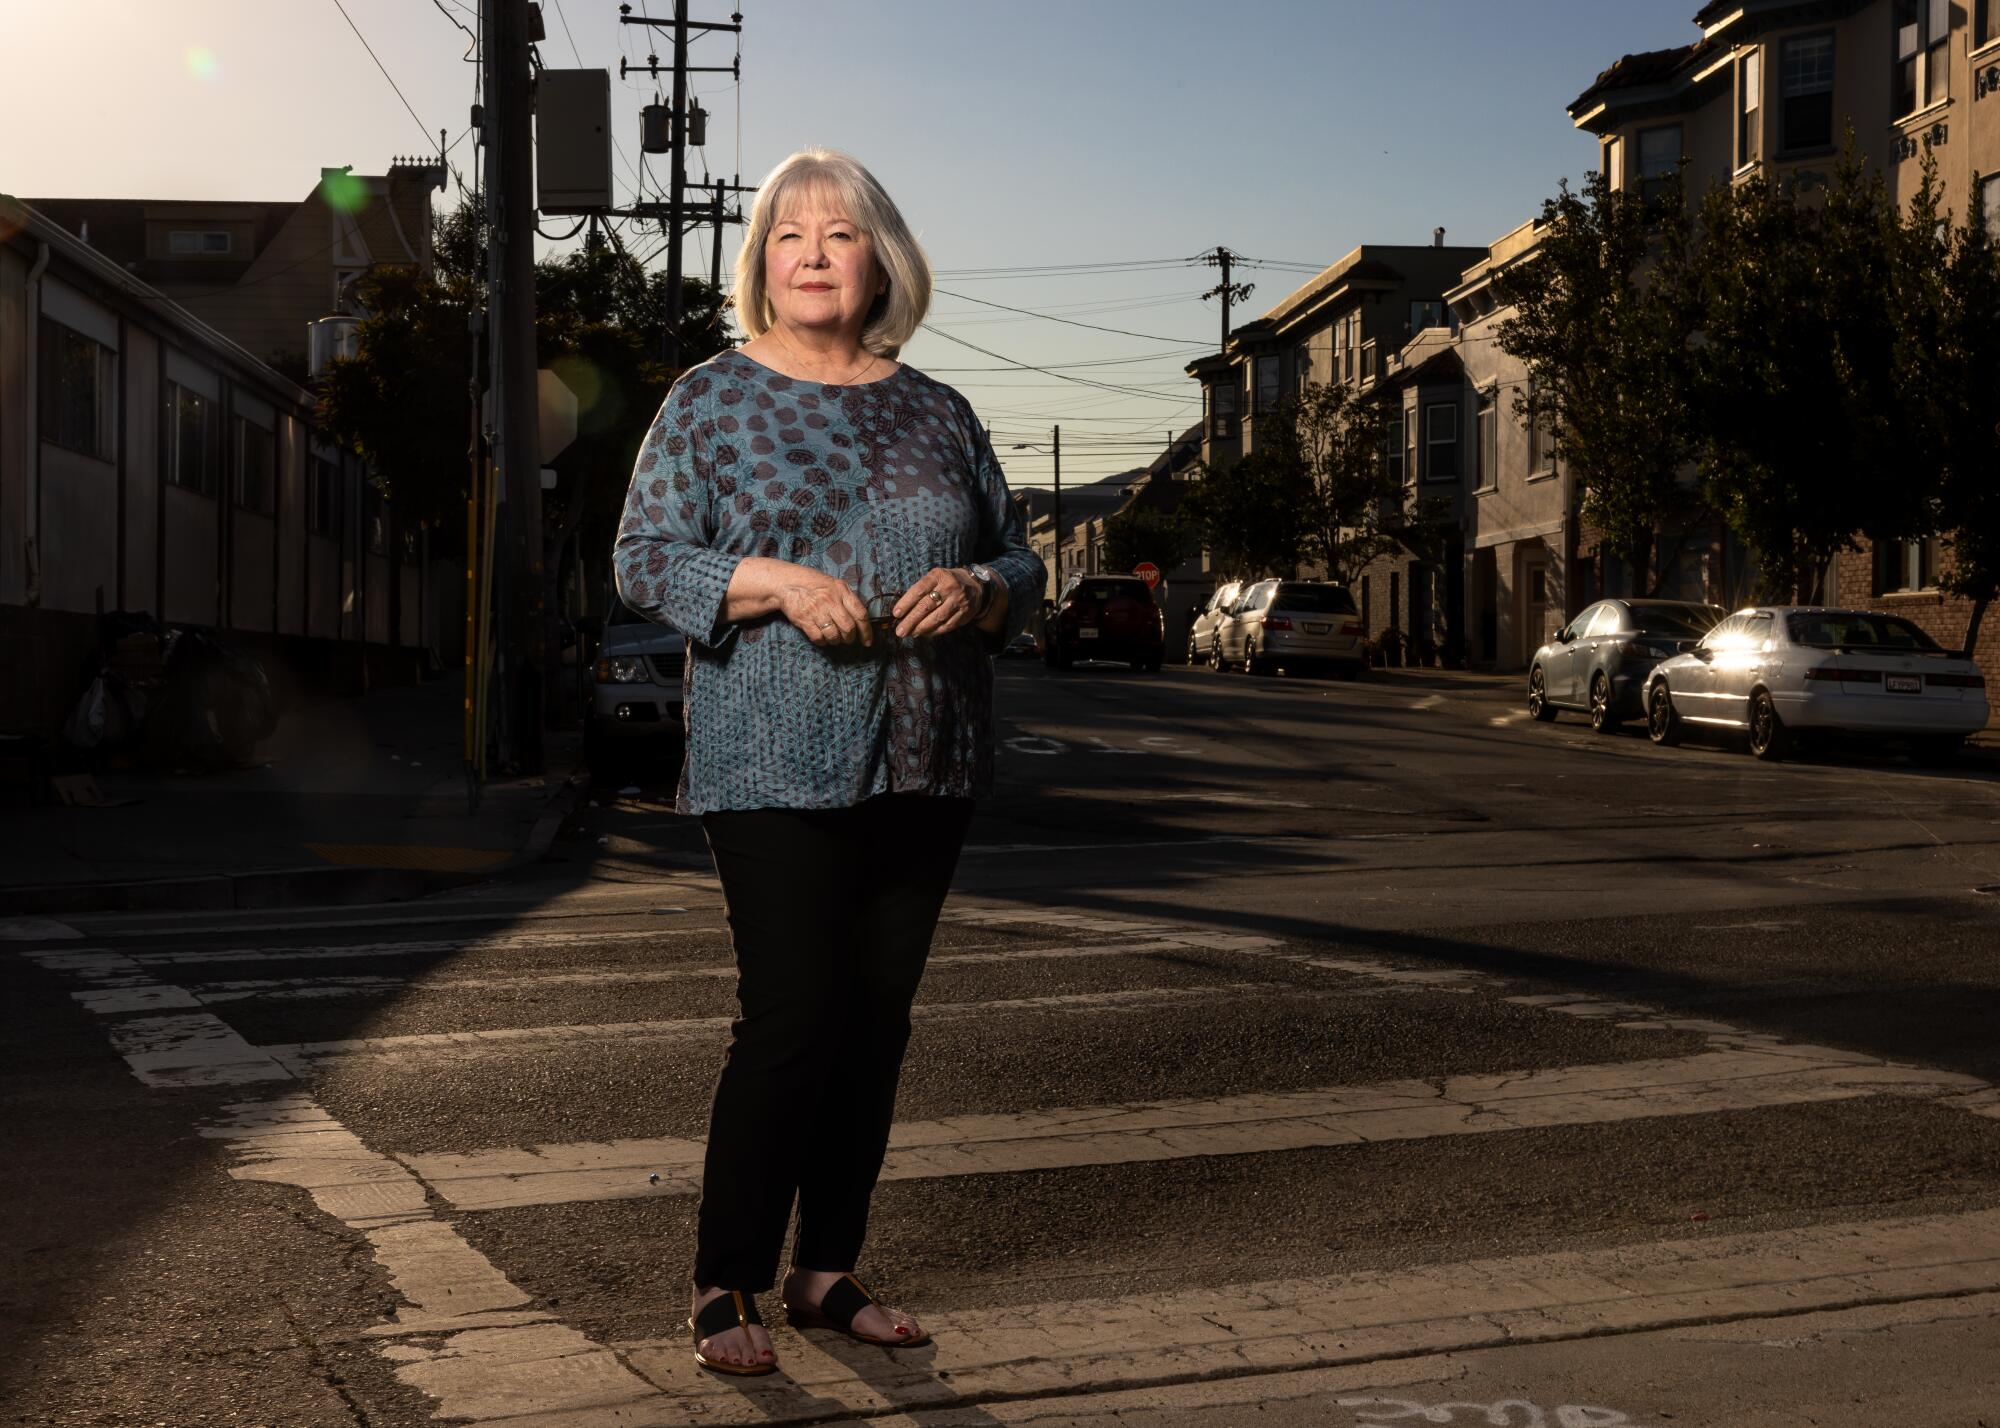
x: 988, y: 587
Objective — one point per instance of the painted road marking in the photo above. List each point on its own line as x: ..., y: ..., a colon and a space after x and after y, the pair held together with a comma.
x: 1258, y: 1123
x: 321, y: 988
x: 504, y: 942
x: 300, y: 1055
x: 36, y: 929
x: 1077, y: 1346
x: 449, y: 1288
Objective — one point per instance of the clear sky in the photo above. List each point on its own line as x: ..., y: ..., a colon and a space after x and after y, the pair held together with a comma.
x: 1031, y: 134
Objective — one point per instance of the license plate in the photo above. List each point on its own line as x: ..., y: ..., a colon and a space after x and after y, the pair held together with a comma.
x: 1086, y: 634
x: 1904, y: 684
x: 1316, y: 629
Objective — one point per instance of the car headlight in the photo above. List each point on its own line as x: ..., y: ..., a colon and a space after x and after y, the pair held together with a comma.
x: 623, y: 669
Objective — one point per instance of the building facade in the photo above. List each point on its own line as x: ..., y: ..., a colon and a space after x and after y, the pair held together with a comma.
x: 150, y: 463
x: 1771, y: 88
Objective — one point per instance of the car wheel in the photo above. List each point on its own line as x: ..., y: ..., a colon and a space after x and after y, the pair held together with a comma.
x: 1602, y: 719
x: 1252, y: 664
x: 1937, y: 751
x: 1191, y: 650
x: 1215, y: 655
x: 1769, y: 739
x: 1538, y: 697
x: 1663, y: 725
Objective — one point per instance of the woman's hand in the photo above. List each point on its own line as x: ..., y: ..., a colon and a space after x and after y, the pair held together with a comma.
x: 822, y: 608
x: 944, y: 600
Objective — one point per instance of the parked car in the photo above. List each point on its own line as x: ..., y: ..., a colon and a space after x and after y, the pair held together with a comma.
x: 1599, y: 661
x: 1783, y: 673
x: 1208, y: 620
x: 1296, y: 624
x: 1020, y: 647
x: 1106, y: 617
x: 634, y: 694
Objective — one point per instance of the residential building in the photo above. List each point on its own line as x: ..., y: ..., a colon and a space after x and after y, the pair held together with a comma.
x: 259, y: 273
x: 148, y: 462
x: 1771, y: 87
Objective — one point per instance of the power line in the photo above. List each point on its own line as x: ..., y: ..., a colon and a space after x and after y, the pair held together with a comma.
x: 1031, y: 367
x: 1059, y: 270
x: 379, y: 65
x: 1069, y: 321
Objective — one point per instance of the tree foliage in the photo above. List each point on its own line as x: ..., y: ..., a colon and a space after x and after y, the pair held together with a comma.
x: 1947, y: 359
x: 1252, y: 513
x: 1354, y: 508
x: 1601, y: 321
x: 1147, y: 533
x: 1794, y: 376
x: 405, y: 403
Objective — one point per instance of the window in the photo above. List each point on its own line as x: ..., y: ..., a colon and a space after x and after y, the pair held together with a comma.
x: 182, y: 242
x: 1367, y: 362
x: 1599, y: 620
x: 1906, y: 565
x: 1410, y: 450
x: 1341, y: 360
x: 1749, y: 96
x: 256, y: 468
x: 323, y: 497
x: 1805, y: 64
x: 1393, y: 446
x: 1989, y: 201
x: 1614, y: 164
x: 1267, y: 383
x: 193, y: 440
x: 1427, y: 313
x: 1486, y: 418
x: 1921, y: 73
x: 1541, y: 435
x: 1347, y: 347
x: 1985, y: 22
x: 77, y: 386
x: 1222, y: 410
x: 1441, y: 441
x: 1659, y: 160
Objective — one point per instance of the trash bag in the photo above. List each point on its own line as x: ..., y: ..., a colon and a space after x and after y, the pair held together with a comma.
x: 215, y: 708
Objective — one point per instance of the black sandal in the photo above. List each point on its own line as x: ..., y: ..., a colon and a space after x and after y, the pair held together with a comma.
x: 837, y: 1308
x: 731, y: 1310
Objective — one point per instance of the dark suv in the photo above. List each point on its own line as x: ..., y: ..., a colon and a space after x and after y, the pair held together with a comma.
x: 1106, y: 617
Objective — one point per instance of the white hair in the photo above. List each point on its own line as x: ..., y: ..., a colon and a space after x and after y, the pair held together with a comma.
x: 894, y: 315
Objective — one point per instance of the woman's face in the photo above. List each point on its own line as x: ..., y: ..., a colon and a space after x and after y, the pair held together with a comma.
x: 820, y: 271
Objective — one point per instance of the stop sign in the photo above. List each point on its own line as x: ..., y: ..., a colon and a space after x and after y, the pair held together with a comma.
x: 1148, y: 572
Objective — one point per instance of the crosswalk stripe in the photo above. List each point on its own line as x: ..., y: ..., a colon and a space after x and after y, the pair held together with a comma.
x: 320, y: 988
x: 1255, y: 1123
x: 298, y: 1054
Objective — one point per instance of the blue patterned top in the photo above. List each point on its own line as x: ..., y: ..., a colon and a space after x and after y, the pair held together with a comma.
x: 874, y: 484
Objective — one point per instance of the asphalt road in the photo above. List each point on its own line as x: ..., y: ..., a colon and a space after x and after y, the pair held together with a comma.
x: 1292, y: 1050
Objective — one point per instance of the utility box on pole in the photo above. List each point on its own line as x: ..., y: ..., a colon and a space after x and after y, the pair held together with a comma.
x: 573, y: 140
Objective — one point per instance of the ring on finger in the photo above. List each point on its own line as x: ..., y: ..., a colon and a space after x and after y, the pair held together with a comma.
x: 936, y: 597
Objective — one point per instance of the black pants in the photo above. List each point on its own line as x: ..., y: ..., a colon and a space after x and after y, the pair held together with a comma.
x: 831, y: 912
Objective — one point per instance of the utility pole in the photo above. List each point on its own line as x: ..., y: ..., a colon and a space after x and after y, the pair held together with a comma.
x: 516, y: 554
x: 1229, y: 292
x: 1056, y: 439
x: 685, y: 118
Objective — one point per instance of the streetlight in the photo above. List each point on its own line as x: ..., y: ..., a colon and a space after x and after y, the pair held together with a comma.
x: 1056, y: 451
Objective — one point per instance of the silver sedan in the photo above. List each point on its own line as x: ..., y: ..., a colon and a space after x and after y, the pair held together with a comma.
x: 1598, y: 663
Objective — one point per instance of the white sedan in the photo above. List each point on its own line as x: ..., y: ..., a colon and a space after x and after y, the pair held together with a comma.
x: 1786, y: 672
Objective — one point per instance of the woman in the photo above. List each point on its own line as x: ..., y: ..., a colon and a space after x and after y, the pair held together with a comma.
x: 832, y: 532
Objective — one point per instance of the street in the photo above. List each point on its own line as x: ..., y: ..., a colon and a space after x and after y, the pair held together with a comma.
x: 1291, y: 1050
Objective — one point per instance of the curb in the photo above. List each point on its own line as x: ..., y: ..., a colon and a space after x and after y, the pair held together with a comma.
x: 311, y: 886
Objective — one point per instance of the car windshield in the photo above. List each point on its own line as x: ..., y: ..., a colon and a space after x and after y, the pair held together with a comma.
x: 1098, y: 591
x: 1315, y: 599
x: 1679, y: 620
x: 1847, y: 630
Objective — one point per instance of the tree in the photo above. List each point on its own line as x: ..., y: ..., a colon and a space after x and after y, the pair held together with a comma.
x: 1141, y: 533
x: 405, y: 402
x: 1947, y: 305
x: 1601, y: 321
x: 1354, y: 508
x: 1803, y: 439
x: 1252, y: 513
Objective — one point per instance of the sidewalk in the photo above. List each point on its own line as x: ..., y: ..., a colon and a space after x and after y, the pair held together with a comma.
x: 360, y: 799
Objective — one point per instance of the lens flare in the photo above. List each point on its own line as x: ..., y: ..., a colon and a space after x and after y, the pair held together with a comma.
x: 201, y: 63
x: 344, y: 193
